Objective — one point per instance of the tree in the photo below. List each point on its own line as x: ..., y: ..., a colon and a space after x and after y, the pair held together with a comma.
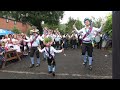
x: 35, y: 17
x: 78, y: 24
x: 71, y: 22
x: 28, y: 31
x: 62, y: 28
x: 69, y: 25
x: 107, y: 28
x: 96, y: 22
x: 16, y: 30
x: 108, y: 25
x: 51, y: 26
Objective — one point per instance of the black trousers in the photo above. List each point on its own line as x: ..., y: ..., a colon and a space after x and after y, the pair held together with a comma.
x: 23, y: 46
x: 34, y: 50
x: 41, y: 44
x: 99, y: 44
x: 57, y: 44
x: 87, y: 47
x: 51, y: 61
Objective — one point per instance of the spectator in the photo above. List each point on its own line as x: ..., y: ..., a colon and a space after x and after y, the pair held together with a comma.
x: 2, y: 51
x: 104, y: 40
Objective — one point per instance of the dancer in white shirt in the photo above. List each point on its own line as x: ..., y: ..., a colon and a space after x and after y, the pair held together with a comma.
x: 35, y: 42
x: 87, y: 40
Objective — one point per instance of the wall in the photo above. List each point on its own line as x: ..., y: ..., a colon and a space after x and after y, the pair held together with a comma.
x: 11, y: 24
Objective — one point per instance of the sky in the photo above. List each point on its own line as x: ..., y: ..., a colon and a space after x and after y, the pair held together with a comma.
x: 83, y: 14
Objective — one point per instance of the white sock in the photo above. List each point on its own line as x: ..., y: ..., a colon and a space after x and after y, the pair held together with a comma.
x: 32, y: 60
x: 84, y: 58
x: 90, y: 60
x: 53, y: 68
x: 49, y: 68
x: 38, y: 60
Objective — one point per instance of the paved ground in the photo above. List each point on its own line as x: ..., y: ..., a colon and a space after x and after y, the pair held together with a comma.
x: 68, y: 67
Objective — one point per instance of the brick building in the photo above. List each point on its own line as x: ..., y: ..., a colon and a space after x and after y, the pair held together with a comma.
x: 9, y: 24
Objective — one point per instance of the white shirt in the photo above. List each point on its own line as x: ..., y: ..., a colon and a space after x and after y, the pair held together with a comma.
x: 36, y: 43
x: 91, y: 35
x: 53, y: 35
x: 57, y: 38
x: 52, y: 51
x: 43, y: 36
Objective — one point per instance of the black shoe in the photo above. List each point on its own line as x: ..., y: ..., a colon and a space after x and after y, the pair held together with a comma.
x: 32, y: 65
x: 90, y: 67
x: 50, y: 72
x: 37, y: 65
x: 53, y: 74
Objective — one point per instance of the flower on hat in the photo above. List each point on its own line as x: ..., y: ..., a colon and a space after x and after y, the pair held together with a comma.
x: 48, y: 41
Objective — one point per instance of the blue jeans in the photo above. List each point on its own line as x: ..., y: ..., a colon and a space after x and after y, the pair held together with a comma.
x: 44, y: 55
x: 65, y: 45
x: 74, y: 46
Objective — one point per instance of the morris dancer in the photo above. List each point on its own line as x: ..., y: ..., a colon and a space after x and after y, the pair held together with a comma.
x: 35, y: 42
x: 87, y: 40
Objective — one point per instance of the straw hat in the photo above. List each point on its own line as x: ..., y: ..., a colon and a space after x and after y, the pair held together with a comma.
x: 34, y: 30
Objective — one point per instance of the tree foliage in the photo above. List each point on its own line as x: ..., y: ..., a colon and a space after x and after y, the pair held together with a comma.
x: 28, y: 31
x: 71, y: 22
x: 78, y: 24
x: 35, y: 17
x: 51, y: 26
x: 108, y: 25
x: 62, y: 28
x: 96, y: 22
x: 16, y: 30
x: 107, y: 28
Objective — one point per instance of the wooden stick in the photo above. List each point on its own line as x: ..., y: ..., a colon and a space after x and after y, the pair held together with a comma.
x: 75, y: 22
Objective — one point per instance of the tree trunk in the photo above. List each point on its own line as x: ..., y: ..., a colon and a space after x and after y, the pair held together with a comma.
x: 40, y: 29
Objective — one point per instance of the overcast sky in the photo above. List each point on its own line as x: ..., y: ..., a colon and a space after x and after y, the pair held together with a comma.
x: 83, y: 14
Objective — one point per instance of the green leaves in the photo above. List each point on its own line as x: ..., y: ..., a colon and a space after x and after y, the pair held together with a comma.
x: 16, y: 30
x: 62, y: 28
x: 35, y: 17
x: 96, y: 22
x: 71, y: 22
x: 108, y: 25
x: 47, y: 40
x: 78, y: 24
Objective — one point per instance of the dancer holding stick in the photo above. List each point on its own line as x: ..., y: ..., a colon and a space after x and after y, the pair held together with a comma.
x: 87, y: 40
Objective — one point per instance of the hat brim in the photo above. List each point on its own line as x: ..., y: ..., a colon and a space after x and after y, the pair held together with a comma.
x: 32, y: 31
